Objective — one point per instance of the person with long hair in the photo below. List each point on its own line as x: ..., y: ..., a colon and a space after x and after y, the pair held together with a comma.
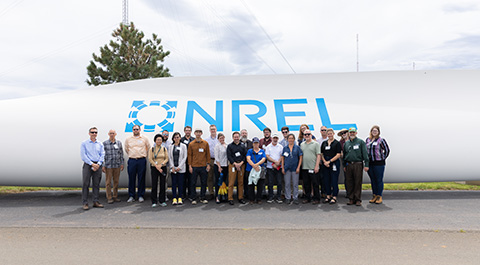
x: 378, y: 151
x: 331, y: 152
x: 177, y: 157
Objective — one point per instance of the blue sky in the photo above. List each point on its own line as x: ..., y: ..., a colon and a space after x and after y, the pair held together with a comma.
x: 46, y: 45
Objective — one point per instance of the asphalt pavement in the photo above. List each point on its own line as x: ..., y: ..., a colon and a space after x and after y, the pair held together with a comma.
x: 422, y: 227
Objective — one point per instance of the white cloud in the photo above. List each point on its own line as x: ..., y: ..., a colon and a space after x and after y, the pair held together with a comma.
x: 48, y: 44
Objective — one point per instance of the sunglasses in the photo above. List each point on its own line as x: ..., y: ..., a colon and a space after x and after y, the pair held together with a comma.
x: 136, y: 129
x: 285, y: 132
x: 307, y: 134
x: 93, y: 132
x: 323, y: 130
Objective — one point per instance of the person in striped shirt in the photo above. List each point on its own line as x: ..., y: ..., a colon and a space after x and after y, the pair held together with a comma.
x: 378, y: 152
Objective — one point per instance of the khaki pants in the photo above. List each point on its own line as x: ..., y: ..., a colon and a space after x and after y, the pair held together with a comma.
x: 112, y: 173
x: 211, y: 178
x: 234, y: 174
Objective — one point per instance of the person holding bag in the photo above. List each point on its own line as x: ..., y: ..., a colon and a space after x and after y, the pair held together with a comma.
x: 158, y: 158
x: 256, y: 158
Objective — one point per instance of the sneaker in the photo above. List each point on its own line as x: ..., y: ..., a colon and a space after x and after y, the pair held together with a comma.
x: 154, y: 205
x: 288, y: 201
x: 194, y: 202
x: 174, y: 201
x: 296, y: 202
x: 163, y: 204
x: 231, y: 202
x: 110, y: 201
x: 204, y: 201
x: 85, y: 207
x: 279, y: 201
x: 131, y: 199
x: 180, y: 202
x: 97, y: 205
x: 140, y: 199
x: 270, y: 201
x: 242, y: 201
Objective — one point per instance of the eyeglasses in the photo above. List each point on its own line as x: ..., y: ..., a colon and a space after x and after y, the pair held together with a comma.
x: 323, y: 130
x: 93, y: 132
x: 136, y: 129
x: 307, y: 134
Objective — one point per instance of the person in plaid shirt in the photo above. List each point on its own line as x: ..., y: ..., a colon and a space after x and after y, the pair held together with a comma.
x: 113, y: 165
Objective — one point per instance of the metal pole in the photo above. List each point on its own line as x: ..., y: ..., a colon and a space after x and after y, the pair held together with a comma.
x: 358, y: 64
x: 125, y: 12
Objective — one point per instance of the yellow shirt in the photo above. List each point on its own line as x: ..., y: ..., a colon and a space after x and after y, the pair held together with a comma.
x: 137, y: 147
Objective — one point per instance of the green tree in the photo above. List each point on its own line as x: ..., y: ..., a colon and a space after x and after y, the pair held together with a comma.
x: 128, y: 57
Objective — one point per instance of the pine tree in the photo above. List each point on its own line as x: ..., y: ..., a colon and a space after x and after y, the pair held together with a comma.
x: 128, y: 57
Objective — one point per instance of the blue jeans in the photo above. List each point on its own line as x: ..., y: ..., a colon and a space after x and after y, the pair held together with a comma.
x: 136, y: 167
x: 177, y: 184
x: 330, y: 178
x: 376, y: 177
x: 274, y: 176
x: 202, y: 172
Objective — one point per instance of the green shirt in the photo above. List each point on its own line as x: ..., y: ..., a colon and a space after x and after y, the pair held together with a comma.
x: 355, y: 151
x: 310, y: 152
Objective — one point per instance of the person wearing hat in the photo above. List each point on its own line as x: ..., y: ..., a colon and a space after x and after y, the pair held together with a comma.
x: 310, y: 168
x: 343, y: 134
x: 355, y: 158
x: 274, y: 169
x: 236, y: 154
x: 198, y: 160
x: 256, y: 161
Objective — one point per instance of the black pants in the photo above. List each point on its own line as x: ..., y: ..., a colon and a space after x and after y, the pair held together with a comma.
x: 309, y: 180
x: 202, y: 172
x: 251, y: 190
x: 186, y: 183
x: 156, y: 176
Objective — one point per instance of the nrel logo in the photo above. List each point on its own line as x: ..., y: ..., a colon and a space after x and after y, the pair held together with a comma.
x: 155, y: 116
x: 148, y: 115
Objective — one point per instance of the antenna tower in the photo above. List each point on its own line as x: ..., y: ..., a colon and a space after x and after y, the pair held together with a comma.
x: 125, y: 12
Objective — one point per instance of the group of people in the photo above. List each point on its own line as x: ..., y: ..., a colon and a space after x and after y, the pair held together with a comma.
x: 253, y: 165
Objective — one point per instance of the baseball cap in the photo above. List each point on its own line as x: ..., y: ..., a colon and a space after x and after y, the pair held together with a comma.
x: 255, y: 140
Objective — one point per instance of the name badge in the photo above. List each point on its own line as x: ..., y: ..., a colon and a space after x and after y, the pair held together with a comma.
x: 185, y: 141
x: 115, y: 146
x: 327, y: 147
x: 286, y: 154
x: 200, y: 150
x: 374, y: 143
x: 140, y: 141
x: 237, y: 154
x: 355, y: 147
x: 233, y: 169
x: 334, y: 167
x: 311, y: 171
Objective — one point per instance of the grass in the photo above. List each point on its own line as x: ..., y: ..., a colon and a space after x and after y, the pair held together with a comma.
x: 389, y: 186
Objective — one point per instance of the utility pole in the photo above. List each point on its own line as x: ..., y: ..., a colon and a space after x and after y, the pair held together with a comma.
x: 358, y: 64
x: 125, y: 12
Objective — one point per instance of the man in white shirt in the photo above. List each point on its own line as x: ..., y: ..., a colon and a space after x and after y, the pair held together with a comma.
x: 274, y: 171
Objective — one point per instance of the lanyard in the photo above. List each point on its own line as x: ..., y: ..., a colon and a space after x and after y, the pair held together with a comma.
x: 158, y: 151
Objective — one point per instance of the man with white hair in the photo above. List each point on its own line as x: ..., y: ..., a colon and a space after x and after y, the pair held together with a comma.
x: 113, y: 165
